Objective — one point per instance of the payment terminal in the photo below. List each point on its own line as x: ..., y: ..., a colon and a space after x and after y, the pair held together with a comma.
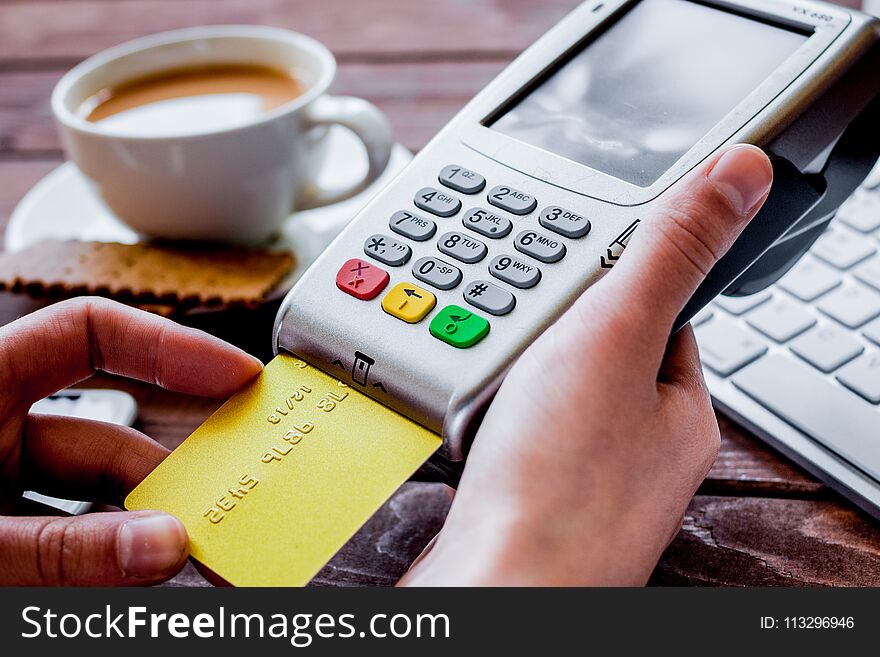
x: 533, y: 190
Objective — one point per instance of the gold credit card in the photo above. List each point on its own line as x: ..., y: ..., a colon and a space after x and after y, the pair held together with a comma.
x: 283, y: 474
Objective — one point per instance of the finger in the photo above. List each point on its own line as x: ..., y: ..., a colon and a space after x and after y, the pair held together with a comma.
x: 100, y: 549
x: 681, y: 365
x: 66, y: 342
x: 85, y: 459
x: 676, y: 246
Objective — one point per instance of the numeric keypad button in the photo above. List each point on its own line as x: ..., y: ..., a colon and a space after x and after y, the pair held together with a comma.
x: 434, y: 271
x: 461, y: 247
x: 515, y: 271
x: 387, y: 249
x: 436, y: 202
x: 539, y: 246
x: 487, y: 223
x: 564, y: 222
x: 412, y: 226
x: 512, y: 200
x: 461, y: 179
x: 489, y: 297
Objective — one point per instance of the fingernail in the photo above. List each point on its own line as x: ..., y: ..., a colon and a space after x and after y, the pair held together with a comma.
x: 743, y: 175
x: 150, y: 545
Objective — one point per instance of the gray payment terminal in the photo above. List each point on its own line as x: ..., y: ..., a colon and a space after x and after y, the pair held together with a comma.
x: 533, y: 190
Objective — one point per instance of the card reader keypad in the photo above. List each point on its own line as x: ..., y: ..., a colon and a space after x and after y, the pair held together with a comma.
x: 387, y: 249
x: 437, y: 202
x: 512, y: 200
x: 539, y: 246
x: 488, y: 223
x: 461, y: 179
x: 412, y: 226
x: 462, y: 247
x: 436, y: 272
x: 564, y: 222
x: 518, y: 273
x: 454, y: 325
x: 489, y: 297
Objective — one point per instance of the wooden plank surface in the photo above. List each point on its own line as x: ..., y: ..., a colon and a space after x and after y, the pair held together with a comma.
x: 758, y: 519
x: 419, y: 98
x: 40, y: 30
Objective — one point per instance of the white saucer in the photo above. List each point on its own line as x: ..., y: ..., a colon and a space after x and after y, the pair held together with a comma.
x: 63, y: 205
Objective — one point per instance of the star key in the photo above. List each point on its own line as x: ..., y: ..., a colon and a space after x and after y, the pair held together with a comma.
x: 361, y: 280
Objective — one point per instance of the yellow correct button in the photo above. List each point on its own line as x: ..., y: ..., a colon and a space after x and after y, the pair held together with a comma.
x: 408, y: 302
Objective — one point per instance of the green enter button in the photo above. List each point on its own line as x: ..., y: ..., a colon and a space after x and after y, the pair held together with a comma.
x: 459, y: 327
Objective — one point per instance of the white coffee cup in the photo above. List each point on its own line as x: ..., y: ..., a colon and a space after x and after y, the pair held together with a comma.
x: 232, y: 185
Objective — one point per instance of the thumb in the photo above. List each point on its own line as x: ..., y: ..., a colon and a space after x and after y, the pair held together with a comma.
x: 100, y: 549
x: 677, y: 244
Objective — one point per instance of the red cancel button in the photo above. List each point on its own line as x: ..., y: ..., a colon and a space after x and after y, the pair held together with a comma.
x: 361, y: 279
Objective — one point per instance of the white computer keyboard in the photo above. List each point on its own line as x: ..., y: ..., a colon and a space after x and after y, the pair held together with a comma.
x: 799, y: 363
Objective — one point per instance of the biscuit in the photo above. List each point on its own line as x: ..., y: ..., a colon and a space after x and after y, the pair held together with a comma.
x: 145, y: 274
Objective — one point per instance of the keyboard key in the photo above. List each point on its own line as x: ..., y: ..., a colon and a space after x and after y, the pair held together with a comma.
x: 851, y: 305
x: 872, y: 331
x: 780, y: 319
x: 512, y: 200
x: 862, y: 376
x: 436, y: 202
x: 461, y: 247
x: 412, y: 226
x: 461, y: 179
x: 740, y: 305
x: 869, y: 272
x: 434, y: 271
x: 489, y: 297
x: 872, y: 180
x: 841, y: 248
x: 861, y: 211
x: 459, y: 327
x: 515, y: 271
x: 827, y: 347
x: 809, y: 279
x: 408, y: 302
x: 702, y: 317
x: 824, y: 411
x: 387, y: 249
x: 361, y: 280
x: 565, y: 222
x: 726, y: 347
x: 487, y: 223
x: 542, y: 247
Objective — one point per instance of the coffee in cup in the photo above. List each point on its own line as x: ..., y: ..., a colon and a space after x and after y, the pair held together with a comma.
x: 186, y: 100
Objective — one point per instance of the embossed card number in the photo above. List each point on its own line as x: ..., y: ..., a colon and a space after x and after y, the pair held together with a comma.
x: 292, y: 464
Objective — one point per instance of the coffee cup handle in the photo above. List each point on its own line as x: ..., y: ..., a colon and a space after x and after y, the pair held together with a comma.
x: 369, y: 124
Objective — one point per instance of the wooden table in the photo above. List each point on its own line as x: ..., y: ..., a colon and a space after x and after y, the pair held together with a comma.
x: 757, y: 519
